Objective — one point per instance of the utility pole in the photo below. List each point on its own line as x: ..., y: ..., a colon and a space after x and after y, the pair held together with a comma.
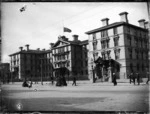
x: 148, y: 8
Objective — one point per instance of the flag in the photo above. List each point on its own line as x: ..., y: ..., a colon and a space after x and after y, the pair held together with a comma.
x: 66, y: 29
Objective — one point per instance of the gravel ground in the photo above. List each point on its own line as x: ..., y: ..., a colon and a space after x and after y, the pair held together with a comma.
x: 83, y: 97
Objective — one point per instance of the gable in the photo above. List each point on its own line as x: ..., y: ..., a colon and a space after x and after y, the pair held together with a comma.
x: 60, y: 43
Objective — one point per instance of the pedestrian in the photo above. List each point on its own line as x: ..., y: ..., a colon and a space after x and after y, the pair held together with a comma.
x: 147, y: 78
x: 138, y: 78
x: 131, y: 76
x: 52, y: 79
x: 74, y: 81
x: 114, y: 79
x: 134, y: 77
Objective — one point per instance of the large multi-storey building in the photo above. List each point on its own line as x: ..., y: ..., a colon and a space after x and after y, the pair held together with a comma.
x: 31, y: 64
x: 37, y: 64
x: 71, y: 55
x: 121, y: 42
x: 5, y: 72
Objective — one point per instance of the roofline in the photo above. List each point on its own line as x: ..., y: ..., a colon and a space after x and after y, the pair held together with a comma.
x: 111, y: 25
x: 28, y: 52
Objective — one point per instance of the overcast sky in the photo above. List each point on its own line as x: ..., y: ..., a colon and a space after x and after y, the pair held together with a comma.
x: 42, y: 23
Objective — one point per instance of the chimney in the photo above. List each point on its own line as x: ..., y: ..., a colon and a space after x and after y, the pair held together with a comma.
x: 51, y: 45
x: 142, y: 23
x: 21, y: 48
x: 27, y: 47
x: 75, y: 37
x: 38, y: 49
x: 105, y: 21
x: 146, y: 25
x: 124, y: 17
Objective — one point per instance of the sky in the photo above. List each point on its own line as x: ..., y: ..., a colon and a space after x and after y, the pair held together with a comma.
x: 41, y: 23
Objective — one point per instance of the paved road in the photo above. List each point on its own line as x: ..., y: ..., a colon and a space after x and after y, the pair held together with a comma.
x: 84, y: 97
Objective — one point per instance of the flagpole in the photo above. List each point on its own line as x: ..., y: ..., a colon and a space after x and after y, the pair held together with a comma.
x: 63, y: 26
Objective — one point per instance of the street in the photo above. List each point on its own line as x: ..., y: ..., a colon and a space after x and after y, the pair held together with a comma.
x: 83, y: 97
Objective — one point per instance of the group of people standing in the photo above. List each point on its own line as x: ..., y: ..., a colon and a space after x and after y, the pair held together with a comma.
x: 135, y: 76
x: 132, y: 76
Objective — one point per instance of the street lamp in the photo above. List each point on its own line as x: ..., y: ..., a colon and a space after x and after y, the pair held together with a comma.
x: 93, y: 74
x: 110, y: 72
x: 41, y: 72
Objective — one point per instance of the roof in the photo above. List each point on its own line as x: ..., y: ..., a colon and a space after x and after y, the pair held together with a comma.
x: 113, y: 25
x: 84, y: 42
x: 31, y: 52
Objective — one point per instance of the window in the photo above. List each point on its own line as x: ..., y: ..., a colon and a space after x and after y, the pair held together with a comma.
x: 143, y: 67
x: 128, y: 30
x: 115, y: 30
x: 117, y: 53
x: 142, y: 55
x: 94, y: 45
x: 68, y: 63
x: 103, y: 55
x: 135, y: 41
x: 116, y: 41
x: 138, y: 67
x: 94, y: 36
x: 141, y: 43
x: 107, y: 41
x: 130, y: 40
x: 137, y: 54
x: 105, y: 44
x: 130, y: 53
x: 86, y: 63
x: 131, y: 66
x: 104, y: 33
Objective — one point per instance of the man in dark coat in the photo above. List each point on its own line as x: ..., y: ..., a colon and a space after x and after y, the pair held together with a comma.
x: 52, y: 79
x: 138, y: 78
x: 134, y: 77
x: 131, y: 76
x: 74, y: 81
x: 147, y: 78
x: 114, y: 79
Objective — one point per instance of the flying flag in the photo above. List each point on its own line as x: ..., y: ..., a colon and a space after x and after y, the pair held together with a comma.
x: 67, y: 29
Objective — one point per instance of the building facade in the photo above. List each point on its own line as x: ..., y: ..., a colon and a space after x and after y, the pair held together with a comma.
x: 31, y: 64
x: 122, y: 42
x: 5, y: 76
x: 44, y: 64
x: 71, y: 55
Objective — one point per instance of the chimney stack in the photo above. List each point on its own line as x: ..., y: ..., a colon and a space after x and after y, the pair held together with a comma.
x: 21, y: 48
x: 124, y: 17
x: 75, y: 37
x: 27, y: 47
x: 105, y: 21
x: 38, y: 49
x: 142, y: 23
x: 146, y: 25
x: 51, y: 45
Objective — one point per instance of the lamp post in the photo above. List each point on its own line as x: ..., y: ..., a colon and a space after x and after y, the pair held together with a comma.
x: 41, y: 71
x: 110, y: 72
x: 93, y: 75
